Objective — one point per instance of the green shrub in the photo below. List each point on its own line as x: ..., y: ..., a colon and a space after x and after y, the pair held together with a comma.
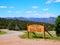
x: 40, y: 36
x: 2, y: 32
x: 57, y: 26
x: 31, y: 35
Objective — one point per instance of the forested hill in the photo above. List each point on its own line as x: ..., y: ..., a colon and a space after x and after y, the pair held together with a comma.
x: 21, y: 25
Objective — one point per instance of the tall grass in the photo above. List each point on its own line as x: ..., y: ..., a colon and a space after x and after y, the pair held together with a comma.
x: 40, y: 36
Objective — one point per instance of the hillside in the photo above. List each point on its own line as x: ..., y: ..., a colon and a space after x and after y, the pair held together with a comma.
x: 21, y: 24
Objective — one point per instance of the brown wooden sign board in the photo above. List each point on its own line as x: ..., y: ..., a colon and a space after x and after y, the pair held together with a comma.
x: 37, y: 28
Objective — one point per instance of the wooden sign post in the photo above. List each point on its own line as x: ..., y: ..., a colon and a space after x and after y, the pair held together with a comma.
x: 37, y: 28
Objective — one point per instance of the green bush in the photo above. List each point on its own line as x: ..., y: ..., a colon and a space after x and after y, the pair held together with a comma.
x: 2, y: 32
x: 57, y: 26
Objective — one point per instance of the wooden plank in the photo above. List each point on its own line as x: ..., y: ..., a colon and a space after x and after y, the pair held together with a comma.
x: 35, y: 28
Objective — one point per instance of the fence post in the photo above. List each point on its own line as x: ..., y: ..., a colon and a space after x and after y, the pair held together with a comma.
x: 44, y: 32
x: 27, y: 32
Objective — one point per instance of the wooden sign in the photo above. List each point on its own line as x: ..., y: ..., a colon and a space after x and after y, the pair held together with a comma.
x: 35, y: 28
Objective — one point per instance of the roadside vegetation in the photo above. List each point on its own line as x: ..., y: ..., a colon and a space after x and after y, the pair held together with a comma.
x: 39, y: 36
x: 2, y: 32
x: 57, y: 25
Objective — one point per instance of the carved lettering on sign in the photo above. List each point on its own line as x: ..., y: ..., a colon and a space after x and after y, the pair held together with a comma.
x: 35, y: 28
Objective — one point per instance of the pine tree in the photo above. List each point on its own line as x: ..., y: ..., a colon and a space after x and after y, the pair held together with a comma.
x: 57, y: 26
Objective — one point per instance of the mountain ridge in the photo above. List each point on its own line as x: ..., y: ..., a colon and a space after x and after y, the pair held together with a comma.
x: 50, y: 20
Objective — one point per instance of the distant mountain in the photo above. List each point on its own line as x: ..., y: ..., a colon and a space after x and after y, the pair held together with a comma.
x: 50, y: 20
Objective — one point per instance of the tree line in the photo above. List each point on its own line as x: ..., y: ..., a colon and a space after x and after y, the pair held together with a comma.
x: 21, y: 24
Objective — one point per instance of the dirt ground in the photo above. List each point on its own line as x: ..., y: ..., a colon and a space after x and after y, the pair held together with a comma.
x: 12, y: 39
x: 15, y: 40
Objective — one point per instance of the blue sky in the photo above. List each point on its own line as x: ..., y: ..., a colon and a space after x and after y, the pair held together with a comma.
x: 29, y: 8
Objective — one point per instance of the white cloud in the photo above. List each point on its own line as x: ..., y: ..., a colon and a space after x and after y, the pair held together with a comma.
x: 49, y: 15
x: 57, y: 0
x: 48, y: 1
x: 35, y: 7
x: 3, y: 6
x: 18, y: 11
x: 14, y: 12
x: 40, y: 15
x: 34, y: 11
x: 6, y: 7
x: 32, y: 15
x: 45, y: 9
x: 29, y: 12
x: 9, y: 11
x: 11, y: 7
x: 37, y: 14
